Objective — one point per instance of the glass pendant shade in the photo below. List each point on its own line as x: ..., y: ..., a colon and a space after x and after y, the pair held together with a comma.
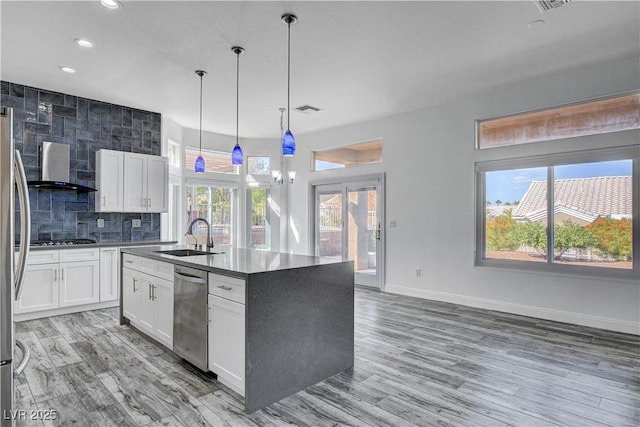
x: 236, y: 155
x: 199, y: 165
x: 288, y: 144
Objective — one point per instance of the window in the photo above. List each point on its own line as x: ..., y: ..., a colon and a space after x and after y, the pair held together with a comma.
x: 258, y: 220
x: 582, y: 222
x: 351, y: 155
x: 214, y: 161
x: 258, y: 165
x: 216, y: 204
x: 587, y: 118
x: 173, y: 152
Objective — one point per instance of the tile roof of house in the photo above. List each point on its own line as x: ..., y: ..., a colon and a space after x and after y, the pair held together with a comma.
x: 597, y: 196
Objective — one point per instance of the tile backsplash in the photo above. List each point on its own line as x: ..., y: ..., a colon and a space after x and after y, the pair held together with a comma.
x: 86, y: 126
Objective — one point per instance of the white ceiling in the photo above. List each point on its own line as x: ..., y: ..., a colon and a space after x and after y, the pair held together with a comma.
x: 355, y: 60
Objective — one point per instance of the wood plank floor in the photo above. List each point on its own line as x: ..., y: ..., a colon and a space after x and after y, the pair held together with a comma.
x: 417, y: 363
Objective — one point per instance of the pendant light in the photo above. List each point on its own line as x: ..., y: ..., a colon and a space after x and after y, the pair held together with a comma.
x: 199, y: 164
x: 288, y: 141
x: 236, y: 154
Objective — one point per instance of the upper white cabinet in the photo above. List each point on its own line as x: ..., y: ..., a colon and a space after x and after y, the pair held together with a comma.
x: 110, y: 181
x: 138, y: 181
x: 146, y: 179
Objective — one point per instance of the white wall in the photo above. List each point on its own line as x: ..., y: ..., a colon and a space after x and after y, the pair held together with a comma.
x: 428, y: 159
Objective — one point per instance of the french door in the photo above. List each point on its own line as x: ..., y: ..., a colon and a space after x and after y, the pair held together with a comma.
x: 348, y: 226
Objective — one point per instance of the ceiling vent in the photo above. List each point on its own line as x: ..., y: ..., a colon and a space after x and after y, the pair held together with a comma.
x: 545, y: 5
x: 307, y: 109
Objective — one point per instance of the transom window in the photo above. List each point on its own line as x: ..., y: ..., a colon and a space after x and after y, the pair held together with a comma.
x: 214, y: 161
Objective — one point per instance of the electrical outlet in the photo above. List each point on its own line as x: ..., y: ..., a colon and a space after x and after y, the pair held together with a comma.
x: 393, y: 224
x: 418, y: 272
x: 100, y: 223
x: 136, y: 223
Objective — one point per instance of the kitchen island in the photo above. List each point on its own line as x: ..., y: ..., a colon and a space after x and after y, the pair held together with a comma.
x: 290, y: 316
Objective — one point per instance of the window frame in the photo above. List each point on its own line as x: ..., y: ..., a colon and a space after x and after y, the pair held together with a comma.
x: 549, y: 161
x: 235, y: 208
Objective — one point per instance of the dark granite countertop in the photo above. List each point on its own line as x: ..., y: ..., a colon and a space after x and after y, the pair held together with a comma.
x: 100, y: 245
x: 241, y: 261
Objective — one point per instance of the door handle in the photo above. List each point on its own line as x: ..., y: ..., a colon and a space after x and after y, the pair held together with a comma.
x: 26, y: 354
x: 25, y: 222
x: 134, y: 285
x: 378, y: 232
x: 62, y: 275
x: 149, y: 291
x: 55, y: 275
x: 189, y: 278
x: 153, y: 292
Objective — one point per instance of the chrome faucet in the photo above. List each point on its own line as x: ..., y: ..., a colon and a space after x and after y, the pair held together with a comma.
x: 209, y: 238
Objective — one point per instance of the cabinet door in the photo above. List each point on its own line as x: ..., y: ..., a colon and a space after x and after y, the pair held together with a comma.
x: 79, y: 283
x: 162, y: 295
x: 40, y: 289
x: 157, y: 182
x: 109, y: 181
x: 146, y: 321
x: 131, y: 294
x: 108, y: 274
x: 135, y: 182
x: 226, y: 342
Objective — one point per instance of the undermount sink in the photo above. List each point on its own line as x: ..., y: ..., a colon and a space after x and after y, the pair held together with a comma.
x: 187, y: 252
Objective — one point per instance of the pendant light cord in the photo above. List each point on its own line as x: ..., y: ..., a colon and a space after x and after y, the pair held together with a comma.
x: 237, y: 93
x: 288, y: 73
x: 201, y: 114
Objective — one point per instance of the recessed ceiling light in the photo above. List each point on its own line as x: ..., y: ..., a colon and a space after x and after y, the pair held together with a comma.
x: 111, y: 4
x: 67, y: 69
x: 538, y: 23
x: 84, y: 43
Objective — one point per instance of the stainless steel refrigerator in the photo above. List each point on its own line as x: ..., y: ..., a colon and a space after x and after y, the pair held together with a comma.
x: 13, y: 265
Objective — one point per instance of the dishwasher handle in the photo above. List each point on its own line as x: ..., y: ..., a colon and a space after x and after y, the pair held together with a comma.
x: 190, y: 278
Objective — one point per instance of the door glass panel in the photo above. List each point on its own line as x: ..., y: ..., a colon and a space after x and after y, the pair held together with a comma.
x: 361, y: 229
x: 259, y: 228
x: 330, y: 224
x: 215, y: 204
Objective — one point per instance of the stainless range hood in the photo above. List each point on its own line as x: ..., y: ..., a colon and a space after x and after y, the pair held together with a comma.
x: 54, y: 167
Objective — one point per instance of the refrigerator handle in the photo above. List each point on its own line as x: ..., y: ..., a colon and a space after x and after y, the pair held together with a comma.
x: 26, y: 354
x: 25, y: 222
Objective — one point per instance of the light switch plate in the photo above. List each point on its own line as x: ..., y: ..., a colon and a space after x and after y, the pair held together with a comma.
x: 100, y: 223
x: 136, y: 223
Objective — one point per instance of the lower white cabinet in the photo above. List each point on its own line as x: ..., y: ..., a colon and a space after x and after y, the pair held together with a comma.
x: 40, y: 289
x: 227, y: 342
x: 109, y: 274
x: 147, y: 300
x: 55, y: 279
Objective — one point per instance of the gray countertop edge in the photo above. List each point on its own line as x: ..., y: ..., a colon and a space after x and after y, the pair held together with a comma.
x: 240, y: 270
x: 103, y: 245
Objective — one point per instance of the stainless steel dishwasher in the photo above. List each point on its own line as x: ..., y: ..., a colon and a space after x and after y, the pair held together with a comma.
x: 190, y: 315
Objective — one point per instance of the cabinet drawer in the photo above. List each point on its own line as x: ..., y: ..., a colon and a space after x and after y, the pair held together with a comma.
x: 160, y: 269
x: 72, y: 255
x: 227, y: 287
x: 130, y: 261
x: 43, y: 257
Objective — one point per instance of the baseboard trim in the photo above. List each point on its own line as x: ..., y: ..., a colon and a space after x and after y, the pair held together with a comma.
x: 524, y: 310
x: 19, y: 317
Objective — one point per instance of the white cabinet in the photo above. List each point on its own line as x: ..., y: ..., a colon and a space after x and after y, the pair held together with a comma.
x: 40, y: 289
x: 109, y: 274
x: 109, y: 181
x: 130, y: 295
x: 147, y: 296
x: 62, y: 278
x: 146, y: 181
x: 227, y: 330
x: 131, y: 182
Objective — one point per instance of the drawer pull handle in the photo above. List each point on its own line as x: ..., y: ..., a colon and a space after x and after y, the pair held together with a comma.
x: 226, y: 288
x: 129, y: 261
